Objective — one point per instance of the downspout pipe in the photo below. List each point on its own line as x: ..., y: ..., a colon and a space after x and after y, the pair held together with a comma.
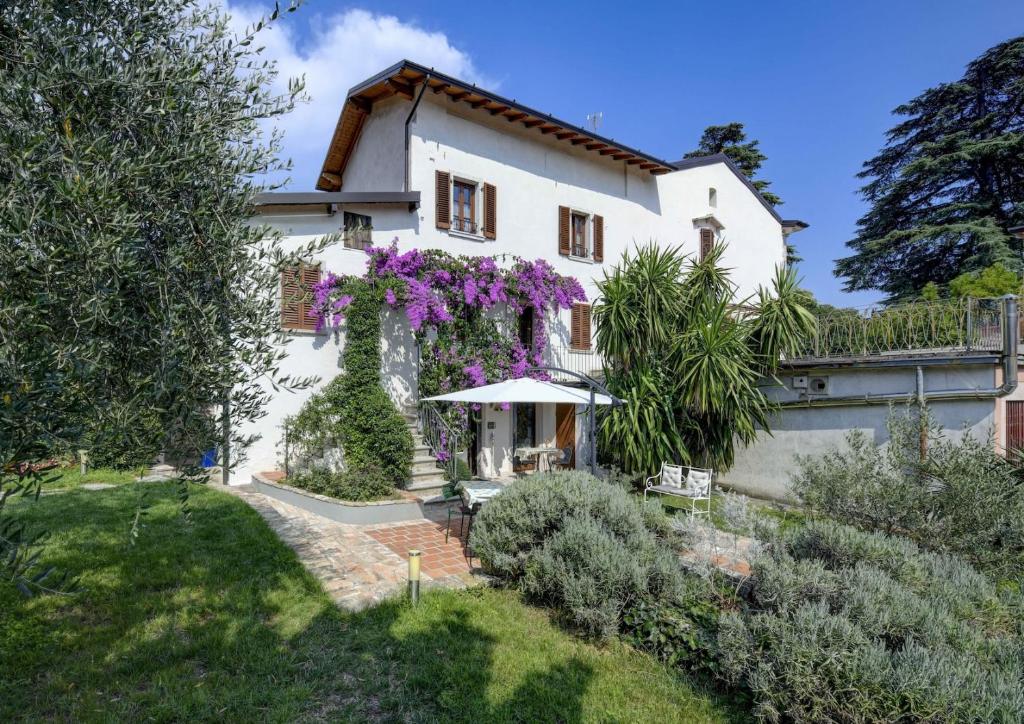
x: 1010, y: 334
x: 408, y: 137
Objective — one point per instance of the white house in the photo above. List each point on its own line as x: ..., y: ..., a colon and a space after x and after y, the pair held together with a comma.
x: 435, y: 162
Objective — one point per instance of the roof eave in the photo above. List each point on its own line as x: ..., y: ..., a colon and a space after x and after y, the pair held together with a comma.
x: 330, y: 178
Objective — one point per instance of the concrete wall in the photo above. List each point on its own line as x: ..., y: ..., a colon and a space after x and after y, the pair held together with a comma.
x: 766, y: 467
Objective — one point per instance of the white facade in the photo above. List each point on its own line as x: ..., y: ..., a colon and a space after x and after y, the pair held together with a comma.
x: 533, y: 175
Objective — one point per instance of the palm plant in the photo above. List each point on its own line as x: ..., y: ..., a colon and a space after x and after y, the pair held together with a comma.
x: 687, y: 358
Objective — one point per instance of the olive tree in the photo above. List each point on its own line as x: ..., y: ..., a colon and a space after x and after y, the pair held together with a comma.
x: 137, y: 298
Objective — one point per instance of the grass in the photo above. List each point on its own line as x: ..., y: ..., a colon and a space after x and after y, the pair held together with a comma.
x: 214, y: 618
x: 71, y: 477
x: 786, y: 516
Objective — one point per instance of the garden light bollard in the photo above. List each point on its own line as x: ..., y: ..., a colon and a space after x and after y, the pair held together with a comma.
x: 414, y: 576
x: 83, y: 461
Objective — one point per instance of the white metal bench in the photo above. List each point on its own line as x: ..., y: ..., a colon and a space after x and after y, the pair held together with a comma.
x: 694, y: 485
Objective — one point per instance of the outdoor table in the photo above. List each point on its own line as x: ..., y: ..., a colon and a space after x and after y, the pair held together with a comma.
x: 537, y: 453
x: 478, y: 492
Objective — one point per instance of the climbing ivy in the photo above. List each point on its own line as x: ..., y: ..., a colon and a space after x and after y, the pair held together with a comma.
x: 353, y: 412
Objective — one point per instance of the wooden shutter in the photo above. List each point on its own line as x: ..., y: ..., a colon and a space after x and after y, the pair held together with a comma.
x: 1014, y: 430
x: 443, y: 200
x: 579, y: 332
x: 598, y: 238
x: 707, y: 241
x: 563, y: 230
x: 490, y: 212
x: 296, y: 296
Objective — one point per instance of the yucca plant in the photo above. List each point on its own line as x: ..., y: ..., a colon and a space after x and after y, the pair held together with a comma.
x: 688, y: 357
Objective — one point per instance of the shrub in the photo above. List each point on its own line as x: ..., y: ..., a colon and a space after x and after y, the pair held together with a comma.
x: 355, y: 484
x: 962, y: 497
x: 846, y: 625
x: 582, y: 545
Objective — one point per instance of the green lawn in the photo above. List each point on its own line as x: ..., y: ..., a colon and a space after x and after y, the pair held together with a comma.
x: 71, y: 477
x: 215, y: 619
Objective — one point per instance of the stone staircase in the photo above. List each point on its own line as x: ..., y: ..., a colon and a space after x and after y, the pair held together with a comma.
x: 427, y: 477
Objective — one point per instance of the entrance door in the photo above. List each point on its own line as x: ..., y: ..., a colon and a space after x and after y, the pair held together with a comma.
x: 565, y: 429
x: 1014, y: 430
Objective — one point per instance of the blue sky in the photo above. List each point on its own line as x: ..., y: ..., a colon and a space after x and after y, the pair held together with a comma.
x: 815, y: 82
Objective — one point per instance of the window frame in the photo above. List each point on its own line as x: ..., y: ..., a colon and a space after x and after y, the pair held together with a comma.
x: 352, y: 231
x: 588, y: 234
x: 458, y: 223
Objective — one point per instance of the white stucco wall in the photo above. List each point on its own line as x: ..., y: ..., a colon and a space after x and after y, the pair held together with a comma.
x: 378, y: 160
x: 534, y: 175
x: 766, y: 467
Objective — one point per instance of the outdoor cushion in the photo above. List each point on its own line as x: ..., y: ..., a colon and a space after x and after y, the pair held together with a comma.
x: 671, y: 490
x: 672, y: 476
x: 698, y: 481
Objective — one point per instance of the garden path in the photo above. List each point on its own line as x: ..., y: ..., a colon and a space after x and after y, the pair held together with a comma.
x: 361, y: 565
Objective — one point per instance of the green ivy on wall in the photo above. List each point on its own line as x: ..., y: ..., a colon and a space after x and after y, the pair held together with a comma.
x: 353, y: 411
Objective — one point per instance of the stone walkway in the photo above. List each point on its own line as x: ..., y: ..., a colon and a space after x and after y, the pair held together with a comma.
x: 361, y: 565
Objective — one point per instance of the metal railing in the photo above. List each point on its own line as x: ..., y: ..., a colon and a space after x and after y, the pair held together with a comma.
x: 946, y: 326
x: 446, y: 443
x: 467, y: 226
x: 585, y: 362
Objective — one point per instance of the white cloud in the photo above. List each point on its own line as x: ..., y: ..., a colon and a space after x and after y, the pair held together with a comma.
x: 335, y: 53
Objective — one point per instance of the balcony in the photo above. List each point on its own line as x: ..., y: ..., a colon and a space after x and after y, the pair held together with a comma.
x: 584, y: 362
x: 953, y: 326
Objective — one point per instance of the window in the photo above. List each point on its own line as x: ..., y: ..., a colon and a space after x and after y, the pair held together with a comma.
x: 357, y: 230
x: 579, y: 331
x: 525, y: 434
x: 712, y: 197
x: 297, y: 296
x: 526, y: 328
x: 526, y: 424
x: 464, y: 206
x: 579, y: 235
x: 707, y: 242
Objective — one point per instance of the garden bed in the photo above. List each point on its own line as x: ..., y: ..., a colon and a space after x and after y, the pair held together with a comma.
x: 353, y: 512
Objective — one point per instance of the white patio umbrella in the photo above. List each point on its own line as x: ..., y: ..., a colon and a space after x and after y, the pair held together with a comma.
x: 527, y: 389
x: 523, y: 389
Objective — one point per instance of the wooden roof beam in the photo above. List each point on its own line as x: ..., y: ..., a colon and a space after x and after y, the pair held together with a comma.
x: 459, y: 95
x: 622, y: 156
x: 515, y: 116
x: 361, y: 104
x: 534, y: 122
x: 497, y: 110
x: 648, y: 165
x: 633, y: 161
x: 439, y: 88
x: 550, y: 129
x: 565, y: 135
x: 607, y: 151
x: 400, y: 87
x: 480, y: 103
x: 581, y: 139
x: 596, y: 145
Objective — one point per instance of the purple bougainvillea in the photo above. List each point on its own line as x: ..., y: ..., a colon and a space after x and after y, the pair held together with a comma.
x: 461, y: 300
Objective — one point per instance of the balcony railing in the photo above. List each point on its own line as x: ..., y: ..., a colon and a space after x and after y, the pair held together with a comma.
x: 585, y: 362
x: 466, y: 226
x: 947, y: 326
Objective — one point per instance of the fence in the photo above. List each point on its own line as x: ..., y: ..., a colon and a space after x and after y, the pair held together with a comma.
x: 947, y: 326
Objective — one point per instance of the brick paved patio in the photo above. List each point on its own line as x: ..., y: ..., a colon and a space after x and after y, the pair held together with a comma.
x: 358, y: 565
x: 439, y: 559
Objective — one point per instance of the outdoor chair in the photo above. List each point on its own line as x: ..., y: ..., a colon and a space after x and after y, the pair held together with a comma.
x: 564, y: 462
x: 465, y: 511
x: 694, y: 486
